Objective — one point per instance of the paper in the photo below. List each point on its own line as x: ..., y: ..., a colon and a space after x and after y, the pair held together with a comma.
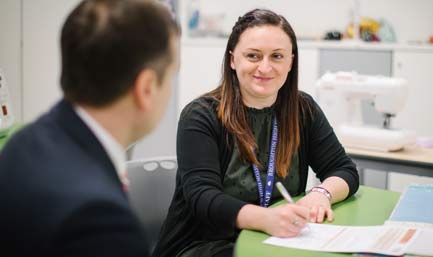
x: 388, y: 240
x: 422, y: 244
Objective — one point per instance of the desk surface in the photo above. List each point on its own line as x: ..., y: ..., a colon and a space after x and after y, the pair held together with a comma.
x: 5, y: 138
x: 410, y: 154
x: 369, y: 206
x: 413, y: 160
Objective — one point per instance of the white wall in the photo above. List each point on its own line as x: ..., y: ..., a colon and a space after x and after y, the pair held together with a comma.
x: 42, y: 21
x: 411, y: 19
x: 29, y: 53
x: 10, y: 51
x: 200, y: 71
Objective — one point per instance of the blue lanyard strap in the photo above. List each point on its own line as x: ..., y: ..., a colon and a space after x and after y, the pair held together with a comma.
x: 265, y: 198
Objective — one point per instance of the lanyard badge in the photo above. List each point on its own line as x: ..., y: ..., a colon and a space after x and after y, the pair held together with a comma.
x: 265, y: 197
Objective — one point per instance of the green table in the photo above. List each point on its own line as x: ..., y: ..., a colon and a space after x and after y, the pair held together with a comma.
x: 369, y: 206
x: 8, y: 134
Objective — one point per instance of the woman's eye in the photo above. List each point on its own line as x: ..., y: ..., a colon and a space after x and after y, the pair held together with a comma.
x: 252, y: 56
x: 278, y: 56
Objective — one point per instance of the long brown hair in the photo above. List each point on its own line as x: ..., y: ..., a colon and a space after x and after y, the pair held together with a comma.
x: 232, y: 111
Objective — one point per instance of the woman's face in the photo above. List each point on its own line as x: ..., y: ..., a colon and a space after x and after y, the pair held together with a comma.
x: 262, y: 60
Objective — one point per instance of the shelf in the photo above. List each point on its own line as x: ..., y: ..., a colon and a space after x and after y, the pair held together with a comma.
x: 345, y: 44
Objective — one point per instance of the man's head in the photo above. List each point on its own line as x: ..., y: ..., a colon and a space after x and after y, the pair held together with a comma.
x: 114, y: 50
x: 105, y: 44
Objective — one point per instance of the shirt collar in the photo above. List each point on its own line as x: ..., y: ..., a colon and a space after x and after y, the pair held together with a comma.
x: 112, y: 147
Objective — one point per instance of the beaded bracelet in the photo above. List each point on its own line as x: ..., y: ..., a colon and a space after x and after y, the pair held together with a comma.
x: 323, y: 191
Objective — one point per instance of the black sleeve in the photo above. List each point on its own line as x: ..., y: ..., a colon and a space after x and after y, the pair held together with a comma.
x: 199, y: 168
x: 100, y: 228
x: 326, y: 155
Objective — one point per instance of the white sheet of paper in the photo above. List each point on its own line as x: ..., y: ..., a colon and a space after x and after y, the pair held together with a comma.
x: 389, y: 240
x: 423, y: 244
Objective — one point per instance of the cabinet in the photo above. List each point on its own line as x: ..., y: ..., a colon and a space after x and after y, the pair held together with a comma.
x: 416, y: 68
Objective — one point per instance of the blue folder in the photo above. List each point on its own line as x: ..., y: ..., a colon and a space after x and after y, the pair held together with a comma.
x: 415, y: 205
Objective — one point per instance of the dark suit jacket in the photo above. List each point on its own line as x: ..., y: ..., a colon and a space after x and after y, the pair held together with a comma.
x: 60, y: 194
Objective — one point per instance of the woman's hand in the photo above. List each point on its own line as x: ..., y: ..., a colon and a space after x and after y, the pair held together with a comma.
x: 286, y: 220
x: 319, y: 206
x: 282, y: 221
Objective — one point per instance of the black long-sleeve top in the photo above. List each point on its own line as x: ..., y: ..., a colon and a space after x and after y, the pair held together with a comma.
x: 200, y: 211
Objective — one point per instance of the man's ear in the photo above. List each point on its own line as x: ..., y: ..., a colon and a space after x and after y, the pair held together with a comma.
x: 144, y: 89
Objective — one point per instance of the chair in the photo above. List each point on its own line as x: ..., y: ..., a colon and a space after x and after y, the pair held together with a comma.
x: 152, y: 184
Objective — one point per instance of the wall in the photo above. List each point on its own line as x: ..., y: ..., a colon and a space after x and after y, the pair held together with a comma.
x: 10, y: 51
x: 412, y: 20
x: 42, y: 21
x: 162, y: 141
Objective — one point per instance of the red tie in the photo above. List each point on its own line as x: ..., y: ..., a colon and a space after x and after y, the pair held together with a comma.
x: 125, y: 181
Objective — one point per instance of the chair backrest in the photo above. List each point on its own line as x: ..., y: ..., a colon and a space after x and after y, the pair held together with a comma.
x: 152, y: 184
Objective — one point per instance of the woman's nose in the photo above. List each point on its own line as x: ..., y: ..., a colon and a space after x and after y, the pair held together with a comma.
x: 264, y: 66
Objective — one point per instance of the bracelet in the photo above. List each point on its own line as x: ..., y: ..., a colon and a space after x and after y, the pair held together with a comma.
x: 323, y: 191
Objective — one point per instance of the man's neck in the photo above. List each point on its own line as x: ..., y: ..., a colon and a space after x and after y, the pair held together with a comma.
x: 113, y: 120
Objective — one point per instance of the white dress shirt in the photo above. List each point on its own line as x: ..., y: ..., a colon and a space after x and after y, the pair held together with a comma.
x: 114, y: 149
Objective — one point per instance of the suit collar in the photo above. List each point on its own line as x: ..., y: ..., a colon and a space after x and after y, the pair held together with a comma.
x: 112, y: 147
x: 64, y: 115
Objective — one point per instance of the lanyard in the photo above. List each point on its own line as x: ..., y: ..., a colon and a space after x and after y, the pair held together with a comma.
x: 265, y: 198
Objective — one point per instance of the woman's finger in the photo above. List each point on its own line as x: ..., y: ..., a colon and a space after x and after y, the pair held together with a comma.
x: 313, y: 214
x: 330, y: 214
x: 320, y: 214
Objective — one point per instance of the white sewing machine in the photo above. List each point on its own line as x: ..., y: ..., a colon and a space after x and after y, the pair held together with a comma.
x: 340, y: 95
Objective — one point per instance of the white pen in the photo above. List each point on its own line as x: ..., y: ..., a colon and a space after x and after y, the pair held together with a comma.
x: 284, y: 192
x: 287, y: 196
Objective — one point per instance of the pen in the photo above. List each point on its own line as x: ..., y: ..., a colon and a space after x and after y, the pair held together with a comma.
x: 287, y: 196
x: 284, y: 192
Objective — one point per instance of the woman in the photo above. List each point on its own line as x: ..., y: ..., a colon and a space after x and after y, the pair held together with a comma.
x: 235, y: 142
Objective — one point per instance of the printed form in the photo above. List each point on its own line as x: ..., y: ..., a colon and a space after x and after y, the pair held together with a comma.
x: 388, y: 240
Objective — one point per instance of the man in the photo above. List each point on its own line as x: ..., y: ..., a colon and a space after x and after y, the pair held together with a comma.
x: 61, y: 190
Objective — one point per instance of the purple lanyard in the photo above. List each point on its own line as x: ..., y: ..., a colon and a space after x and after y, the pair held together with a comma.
x: 266, y: 197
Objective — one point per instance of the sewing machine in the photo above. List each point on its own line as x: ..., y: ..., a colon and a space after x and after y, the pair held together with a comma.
x: 340, y: 95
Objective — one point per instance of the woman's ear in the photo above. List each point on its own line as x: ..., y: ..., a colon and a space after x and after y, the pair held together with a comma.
x: 232, y: 60
x: 291, y: 62
x: 144, y: 89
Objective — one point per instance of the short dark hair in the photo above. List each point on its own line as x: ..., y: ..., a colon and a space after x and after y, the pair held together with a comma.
x: 106, y: 43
